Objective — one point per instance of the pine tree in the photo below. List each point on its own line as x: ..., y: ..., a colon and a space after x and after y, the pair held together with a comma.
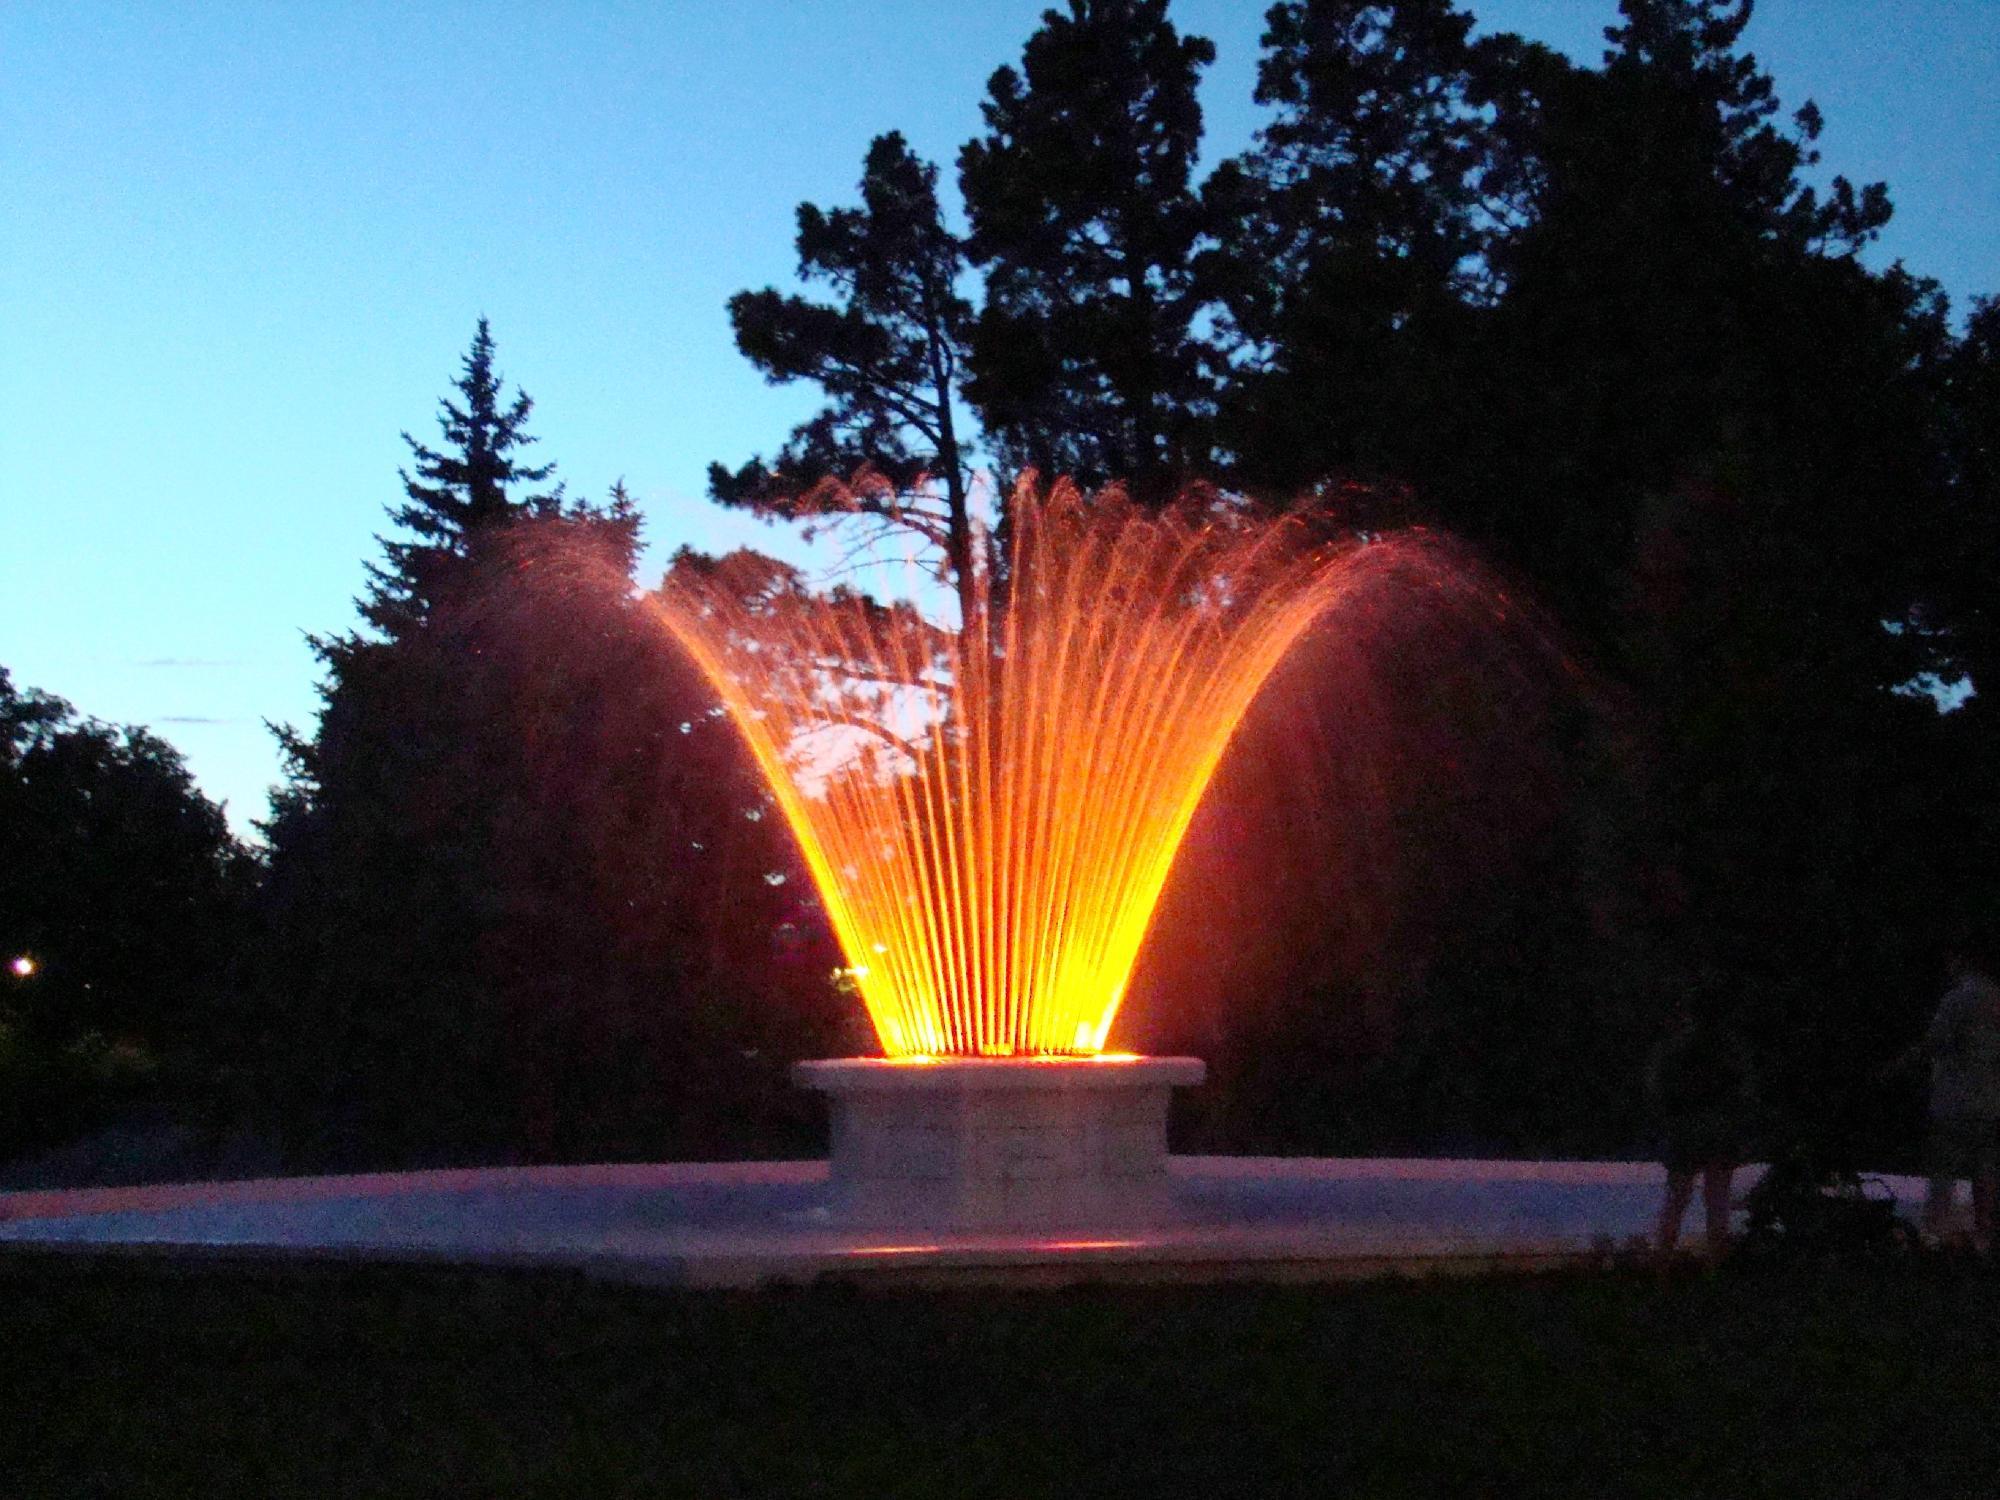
x: 1698, y: 423
x: 1684, y: 54
x: 888, y: 353
x: 1965, y: 552
x: 1088, y: 358
x: 1358, y: 233
x: 1654, y: 300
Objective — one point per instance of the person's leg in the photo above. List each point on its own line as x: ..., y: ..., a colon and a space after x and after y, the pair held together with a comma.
x: 1938, y: 1196
x: 1680, y: 1188
x: 1948, y: 1163
x: 1985, y: 1168
x: 1715, y: 1207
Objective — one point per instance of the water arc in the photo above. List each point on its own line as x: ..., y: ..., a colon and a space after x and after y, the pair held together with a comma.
x: 990, y: 809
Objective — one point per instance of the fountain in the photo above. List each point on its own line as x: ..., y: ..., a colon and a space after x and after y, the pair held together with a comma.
x: 989, y: 804
x: 990, y: 808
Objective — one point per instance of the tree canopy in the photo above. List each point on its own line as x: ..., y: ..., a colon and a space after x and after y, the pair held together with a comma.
x: 1715, y: 691
x: 522, y: 862
x: 1088, y: 356
x: 124, y: 904
x: 1613, y: 324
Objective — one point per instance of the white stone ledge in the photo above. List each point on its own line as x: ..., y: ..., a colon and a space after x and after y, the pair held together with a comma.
x: 978, y: 1074
x: 1000, y: 1143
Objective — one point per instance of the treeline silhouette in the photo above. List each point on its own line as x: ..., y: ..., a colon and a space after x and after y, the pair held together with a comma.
x: 523, y: 897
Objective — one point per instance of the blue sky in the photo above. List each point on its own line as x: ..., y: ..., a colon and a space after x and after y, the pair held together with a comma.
x: 245, y: 244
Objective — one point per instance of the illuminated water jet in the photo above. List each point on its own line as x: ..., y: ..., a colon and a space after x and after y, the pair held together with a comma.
x: 990, y: 807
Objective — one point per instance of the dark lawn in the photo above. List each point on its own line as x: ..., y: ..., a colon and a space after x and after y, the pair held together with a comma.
x: 119, y: 1379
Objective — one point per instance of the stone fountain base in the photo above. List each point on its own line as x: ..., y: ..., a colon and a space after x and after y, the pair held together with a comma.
x: 763, y: 1223
x: 954, y: 1144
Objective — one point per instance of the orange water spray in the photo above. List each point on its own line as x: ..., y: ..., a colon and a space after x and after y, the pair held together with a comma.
x: 990, y: 809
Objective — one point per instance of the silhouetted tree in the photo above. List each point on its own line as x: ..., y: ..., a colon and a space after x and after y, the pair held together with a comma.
x: 458, y: 494
x: 889, y: 355
x: 1953, y: 778
x: 127, y: 897
x: 520, y: 870
x: 1962, y: 560
x: 1648, y: 299
x: 1089, y: 358
x: 1356, y: 235
x: 1598, y: 320
x: 1699, y: 424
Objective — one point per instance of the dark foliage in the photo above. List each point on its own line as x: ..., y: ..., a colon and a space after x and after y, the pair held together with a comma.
x: 1702, y: 431
x: 1611, y: 324
x: 1357, y: 237
x: 522, y: 889
x: 888, y: 355
x: 1718, y: 697
x: 127, y: 899
x: 1088, y: 358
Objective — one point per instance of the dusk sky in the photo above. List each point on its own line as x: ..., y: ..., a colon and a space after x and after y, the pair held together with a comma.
x: 245, y: 245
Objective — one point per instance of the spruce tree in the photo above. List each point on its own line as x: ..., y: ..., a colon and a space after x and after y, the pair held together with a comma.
x: 517, y: 907
x: 466, y: 487
x: 461, y: 496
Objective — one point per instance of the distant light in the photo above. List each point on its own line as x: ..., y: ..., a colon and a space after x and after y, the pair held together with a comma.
x: 23, y: 966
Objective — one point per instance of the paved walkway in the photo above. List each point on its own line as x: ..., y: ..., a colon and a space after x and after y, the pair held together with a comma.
x: 750, y: 1223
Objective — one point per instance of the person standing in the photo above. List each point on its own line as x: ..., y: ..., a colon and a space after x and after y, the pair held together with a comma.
x: 1963, y: 1045
x: 1703, y: 1090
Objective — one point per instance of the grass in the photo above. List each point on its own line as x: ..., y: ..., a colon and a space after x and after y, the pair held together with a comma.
x: 129, y: 1379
